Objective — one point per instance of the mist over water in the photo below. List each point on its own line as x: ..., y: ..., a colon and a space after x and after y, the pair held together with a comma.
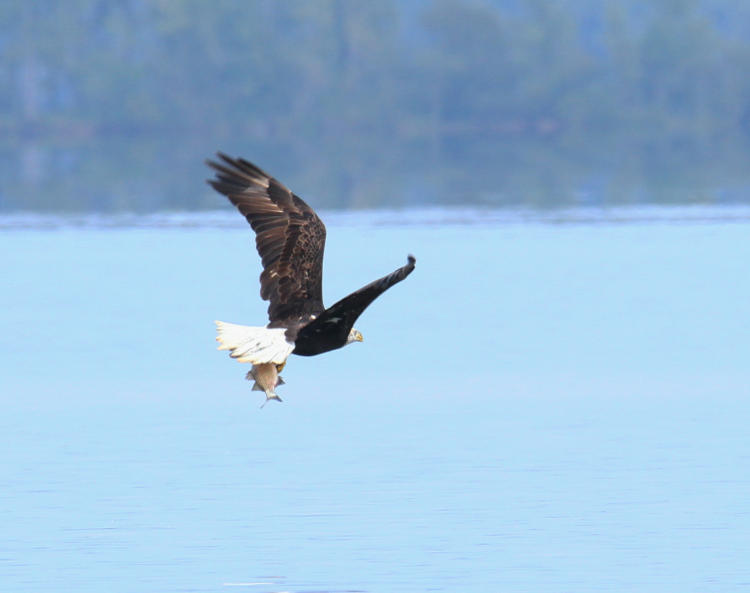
x: 151, y: 175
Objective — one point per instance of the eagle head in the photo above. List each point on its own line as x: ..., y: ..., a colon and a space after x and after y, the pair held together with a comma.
x: 354, y: 336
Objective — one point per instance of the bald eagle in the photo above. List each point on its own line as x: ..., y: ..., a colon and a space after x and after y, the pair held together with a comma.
x: 290, y: 239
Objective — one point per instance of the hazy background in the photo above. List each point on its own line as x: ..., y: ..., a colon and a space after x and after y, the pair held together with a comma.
x: 112, y: 106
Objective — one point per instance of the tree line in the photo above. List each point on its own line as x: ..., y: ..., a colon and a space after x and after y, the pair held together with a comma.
x: 113, y: 104
x: 411, y: 69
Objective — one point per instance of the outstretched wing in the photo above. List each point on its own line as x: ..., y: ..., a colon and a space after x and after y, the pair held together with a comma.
x: 289, y: 236
x: 342, y: 315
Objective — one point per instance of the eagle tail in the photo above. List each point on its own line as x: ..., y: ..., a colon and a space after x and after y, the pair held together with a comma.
x: 257, y: 345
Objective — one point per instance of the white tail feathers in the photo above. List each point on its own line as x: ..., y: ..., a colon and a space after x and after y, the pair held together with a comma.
x: 254, y: 344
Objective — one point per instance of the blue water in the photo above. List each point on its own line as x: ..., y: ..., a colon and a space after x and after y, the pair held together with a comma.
x: 539, y: 407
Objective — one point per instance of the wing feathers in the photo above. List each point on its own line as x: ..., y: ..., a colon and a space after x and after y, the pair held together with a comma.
x: 290, y: 238
x: 346, y: 311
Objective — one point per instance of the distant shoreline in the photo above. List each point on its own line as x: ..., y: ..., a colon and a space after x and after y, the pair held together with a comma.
x: 427, y: 217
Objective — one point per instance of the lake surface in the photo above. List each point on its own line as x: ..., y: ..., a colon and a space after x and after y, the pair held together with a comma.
x: 540, y: 407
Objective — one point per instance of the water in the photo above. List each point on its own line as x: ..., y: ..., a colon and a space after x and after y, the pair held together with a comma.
x: 539, y: 407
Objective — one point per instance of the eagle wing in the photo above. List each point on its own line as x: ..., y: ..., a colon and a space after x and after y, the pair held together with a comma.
x: 345, y: 312
x: 289, y: 236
